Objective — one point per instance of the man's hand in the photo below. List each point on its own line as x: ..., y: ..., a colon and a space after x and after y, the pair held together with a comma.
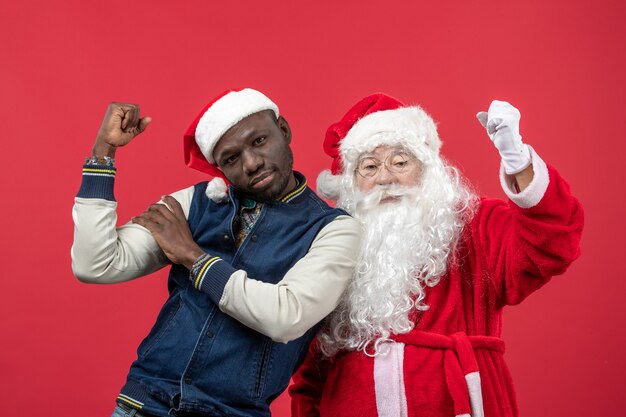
x: 121, y: 124
x: 168, y: 225
x: 502, y: 124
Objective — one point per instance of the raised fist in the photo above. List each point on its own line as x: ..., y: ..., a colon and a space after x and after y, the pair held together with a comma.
x: 121, y: 123
x: 502, y: 124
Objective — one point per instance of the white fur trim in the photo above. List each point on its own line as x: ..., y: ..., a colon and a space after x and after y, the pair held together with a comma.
x: 227, y: 112
x: 475, y: 393
x: 216, y: 190
x: 409, y: 126
x: 389, y: 382
x: 532, y: 195
x: 329, y: 185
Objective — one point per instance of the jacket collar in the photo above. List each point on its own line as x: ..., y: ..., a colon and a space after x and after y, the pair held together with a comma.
x: 292, y: 197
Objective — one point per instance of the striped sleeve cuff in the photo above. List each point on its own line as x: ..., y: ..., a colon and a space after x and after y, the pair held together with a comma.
x: 133, y: 394
x: 98, y: 181
x: 210, y: 274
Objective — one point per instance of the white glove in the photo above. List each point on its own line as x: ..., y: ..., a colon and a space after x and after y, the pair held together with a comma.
x: 502, y: 124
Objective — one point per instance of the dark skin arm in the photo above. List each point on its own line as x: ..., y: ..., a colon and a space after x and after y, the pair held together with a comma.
x: 168, y: 225
x: 121, y: 124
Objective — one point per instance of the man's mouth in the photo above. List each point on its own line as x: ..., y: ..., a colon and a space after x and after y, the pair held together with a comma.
x: 262, y: 180
x: 389, y: 199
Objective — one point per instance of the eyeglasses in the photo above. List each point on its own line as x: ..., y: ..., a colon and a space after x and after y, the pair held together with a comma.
x: 396, y: 162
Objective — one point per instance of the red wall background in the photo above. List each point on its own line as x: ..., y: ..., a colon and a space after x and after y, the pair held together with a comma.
x: 65, y: 347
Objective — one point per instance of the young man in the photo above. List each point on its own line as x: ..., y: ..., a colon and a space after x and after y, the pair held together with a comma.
x: 417, y: 332
x: 262, y: 256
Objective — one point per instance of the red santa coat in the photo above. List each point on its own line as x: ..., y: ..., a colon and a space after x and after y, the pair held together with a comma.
x: 452, y: 363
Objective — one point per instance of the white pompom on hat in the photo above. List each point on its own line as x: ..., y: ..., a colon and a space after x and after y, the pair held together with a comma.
x: 376, y: 120
x: 219, y: 115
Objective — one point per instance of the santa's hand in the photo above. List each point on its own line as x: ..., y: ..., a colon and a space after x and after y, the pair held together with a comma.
x: 502, y: 124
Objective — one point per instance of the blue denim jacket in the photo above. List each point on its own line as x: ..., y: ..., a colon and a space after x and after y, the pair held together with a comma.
x: 200, y: 361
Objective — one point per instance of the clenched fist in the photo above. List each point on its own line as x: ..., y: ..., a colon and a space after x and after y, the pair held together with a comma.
x: 502, y: 124
x: 122, y: 122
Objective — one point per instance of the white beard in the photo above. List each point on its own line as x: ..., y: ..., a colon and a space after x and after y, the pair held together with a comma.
x: 406, y: 248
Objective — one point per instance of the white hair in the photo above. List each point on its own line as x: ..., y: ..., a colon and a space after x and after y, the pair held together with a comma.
x: 407, y: 246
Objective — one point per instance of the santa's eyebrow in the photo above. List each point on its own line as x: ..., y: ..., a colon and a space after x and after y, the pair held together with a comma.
x: 367, y: 155
x: 399, y: 150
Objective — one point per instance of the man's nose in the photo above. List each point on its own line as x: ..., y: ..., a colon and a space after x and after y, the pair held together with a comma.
x: 252, y: 162
x: 384, y: 176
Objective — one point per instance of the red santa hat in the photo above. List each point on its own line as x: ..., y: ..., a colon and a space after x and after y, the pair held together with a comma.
x: 222, y: 113
x: 376, y: 120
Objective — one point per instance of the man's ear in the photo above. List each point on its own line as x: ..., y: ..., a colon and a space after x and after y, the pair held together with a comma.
x: 284, y: 128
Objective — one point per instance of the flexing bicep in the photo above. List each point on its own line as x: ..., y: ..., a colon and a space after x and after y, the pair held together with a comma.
x: 533, y: 237
x: 104, y: 253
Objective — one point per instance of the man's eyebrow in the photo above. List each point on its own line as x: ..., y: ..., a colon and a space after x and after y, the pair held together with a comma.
x: 250, y: 134
x: 256, y: 131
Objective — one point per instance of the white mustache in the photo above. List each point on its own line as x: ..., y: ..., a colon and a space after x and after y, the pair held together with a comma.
x: 381, y: 192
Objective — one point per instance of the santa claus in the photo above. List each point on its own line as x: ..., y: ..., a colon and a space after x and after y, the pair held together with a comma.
x: 418, y: 330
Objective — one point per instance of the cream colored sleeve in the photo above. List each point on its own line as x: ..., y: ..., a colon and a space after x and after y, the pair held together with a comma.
x: 105, y: 254
x: 309, y: 291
